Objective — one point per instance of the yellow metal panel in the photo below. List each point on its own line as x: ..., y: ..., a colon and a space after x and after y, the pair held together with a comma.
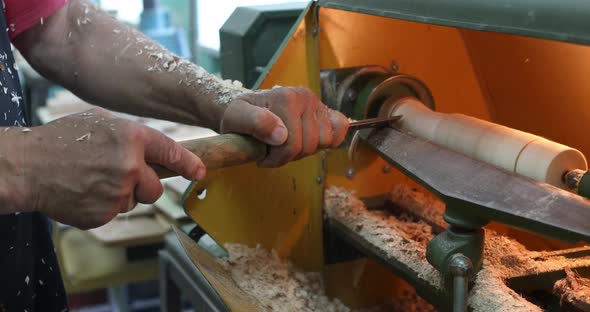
x: 297, y: 64
x: 436, y: 55
x: 277, y: 208
x: 372, y: 175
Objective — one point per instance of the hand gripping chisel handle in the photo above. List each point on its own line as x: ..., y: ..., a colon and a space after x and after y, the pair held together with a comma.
x: 228, y: 150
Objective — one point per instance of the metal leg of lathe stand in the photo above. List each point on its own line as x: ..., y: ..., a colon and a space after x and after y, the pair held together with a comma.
x: 457, y: 253
x: 460, y: 268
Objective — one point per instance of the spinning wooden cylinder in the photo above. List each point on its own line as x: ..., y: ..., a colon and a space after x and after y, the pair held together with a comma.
x: 519, y: 152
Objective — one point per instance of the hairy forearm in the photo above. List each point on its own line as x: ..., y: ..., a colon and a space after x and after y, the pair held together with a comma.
x: 108, y: 64
x: 14, y: 183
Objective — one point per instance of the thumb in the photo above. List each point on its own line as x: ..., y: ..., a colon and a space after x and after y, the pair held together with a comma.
x: 245, y: 118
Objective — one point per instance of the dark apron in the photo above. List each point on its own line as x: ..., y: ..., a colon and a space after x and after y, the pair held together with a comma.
x: 30, y: 279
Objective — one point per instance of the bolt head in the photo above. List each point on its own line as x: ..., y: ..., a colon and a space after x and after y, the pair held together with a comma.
x: 351, y: 95
x: 350, y: 172
x: 394, y: 66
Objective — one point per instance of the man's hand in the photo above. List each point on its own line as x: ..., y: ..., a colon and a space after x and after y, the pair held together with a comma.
x: 292, y: 120
x: 134, y: 74
x: 86, y: 168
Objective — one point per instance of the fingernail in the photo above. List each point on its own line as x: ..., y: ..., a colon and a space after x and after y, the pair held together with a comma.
x: 279, y: 135
x: 201, y: 172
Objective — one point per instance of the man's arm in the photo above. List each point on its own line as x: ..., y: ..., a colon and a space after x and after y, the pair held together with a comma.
x: 13, y: 182
x: 108, y: 64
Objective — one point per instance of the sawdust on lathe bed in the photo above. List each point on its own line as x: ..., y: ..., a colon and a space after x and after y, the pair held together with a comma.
x: 422, y: 205
x: 503, y: 258
x: 574, y: 290
x: 276, y: 283
x: 279, y: 286
x: 405, y: 241
x: 400, y: 239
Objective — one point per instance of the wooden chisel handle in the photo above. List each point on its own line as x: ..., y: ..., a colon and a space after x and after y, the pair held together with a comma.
x: 221, y: 151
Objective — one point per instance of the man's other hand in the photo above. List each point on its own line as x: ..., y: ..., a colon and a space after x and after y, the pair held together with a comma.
x: 86, y: 168
x: 291, y: 120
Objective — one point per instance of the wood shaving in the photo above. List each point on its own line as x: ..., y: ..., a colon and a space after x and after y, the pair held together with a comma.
x: 84, y: 137
x: 422, y: 205
x: 163, y: 61
x: 501, y: 260
x: 399, y: 239
x: 395, y: 237
x: 276, y: 283
x: 574, y: 289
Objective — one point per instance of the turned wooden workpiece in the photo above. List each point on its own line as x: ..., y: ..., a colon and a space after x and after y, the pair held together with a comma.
x: 221, y: 151
x: 516, y: 151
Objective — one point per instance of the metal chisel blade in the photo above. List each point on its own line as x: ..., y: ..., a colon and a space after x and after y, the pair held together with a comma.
x: 373, y: 123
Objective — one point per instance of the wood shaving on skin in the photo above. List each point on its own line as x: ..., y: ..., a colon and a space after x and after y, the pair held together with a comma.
x: 164, y: 61
x: 276, y: 283
x: 84, y: 19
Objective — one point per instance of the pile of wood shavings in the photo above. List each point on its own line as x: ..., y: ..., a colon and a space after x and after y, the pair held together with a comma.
x: 503, y: 258
x: 401, y: 239
x: 276, y: 283
x: 574, y: 290
x: 422, y: 205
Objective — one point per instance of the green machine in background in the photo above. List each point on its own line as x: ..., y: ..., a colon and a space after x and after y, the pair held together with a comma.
x: 251, y: 36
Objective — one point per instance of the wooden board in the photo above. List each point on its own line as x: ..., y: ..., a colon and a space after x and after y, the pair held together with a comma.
x: 221, y: 280
x: 130, y: 232
x: 172, y: 210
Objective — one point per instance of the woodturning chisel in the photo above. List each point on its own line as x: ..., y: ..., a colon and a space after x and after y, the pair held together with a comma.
x: 228, y: 150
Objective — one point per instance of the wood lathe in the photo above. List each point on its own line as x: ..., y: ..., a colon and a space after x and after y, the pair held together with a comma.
x: 476, y: 199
